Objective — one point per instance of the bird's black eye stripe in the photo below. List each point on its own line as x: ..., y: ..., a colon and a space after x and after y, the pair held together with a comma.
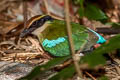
x: 48, y: 18
x: 41, y: 21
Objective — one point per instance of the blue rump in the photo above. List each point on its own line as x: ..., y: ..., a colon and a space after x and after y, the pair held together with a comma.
x: 100, y: 38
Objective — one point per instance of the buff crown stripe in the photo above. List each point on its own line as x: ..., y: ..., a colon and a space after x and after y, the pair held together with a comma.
x: 36, y: 19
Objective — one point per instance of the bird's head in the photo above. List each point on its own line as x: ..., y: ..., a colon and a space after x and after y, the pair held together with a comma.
x: 34, y: 23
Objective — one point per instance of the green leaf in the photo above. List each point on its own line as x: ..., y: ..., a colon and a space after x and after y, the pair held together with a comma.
x: 64, y: 74
x: 93, y: 59
x: 81, y: 12
x: 81, y: 8
x: 96, y: 57
x: 114, y: 25
x: 112, y: 44
x: 43, y: 68
x: 93, y: 12
x: 81, y: 2
x: 103, y: 78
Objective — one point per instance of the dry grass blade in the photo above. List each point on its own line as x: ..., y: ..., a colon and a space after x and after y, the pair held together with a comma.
x: 117, y: 69
x: 36, y: 44
x: 90, y: 75
x: 4, y: 4
x: 22, y: 55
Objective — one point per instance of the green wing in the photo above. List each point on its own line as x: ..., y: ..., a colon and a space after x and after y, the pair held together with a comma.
x: 57, y: 29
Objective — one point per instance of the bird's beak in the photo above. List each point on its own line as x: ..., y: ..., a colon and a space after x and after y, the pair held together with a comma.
x: 24, y: 33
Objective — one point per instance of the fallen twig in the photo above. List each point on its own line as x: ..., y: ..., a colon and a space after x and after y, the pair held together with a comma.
x: 108, y: 30
x: 90, y: 75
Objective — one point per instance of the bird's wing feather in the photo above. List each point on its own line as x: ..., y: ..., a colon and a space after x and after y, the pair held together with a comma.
x: 57, y: 32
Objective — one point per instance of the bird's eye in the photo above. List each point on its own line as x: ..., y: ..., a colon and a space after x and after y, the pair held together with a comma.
x: 34, y: 23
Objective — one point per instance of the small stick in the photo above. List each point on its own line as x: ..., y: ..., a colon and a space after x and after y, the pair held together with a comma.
x: 56, y: 17
x: 46, y: 6
x: 25, y: 12
x: 90, y: 75
x: 25, y: 17
x: 69, y: 33
x: 108, y: 30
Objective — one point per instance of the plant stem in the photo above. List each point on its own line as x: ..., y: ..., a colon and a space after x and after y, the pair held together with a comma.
x: 25, y: 12
x: 25, y: 6
x: 69, y: 32
x: 46, y: 6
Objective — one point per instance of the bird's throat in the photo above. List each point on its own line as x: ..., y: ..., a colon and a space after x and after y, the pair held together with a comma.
x: 41, y: 29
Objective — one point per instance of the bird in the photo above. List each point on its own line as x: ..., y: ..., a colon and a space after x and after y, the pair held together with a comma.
x: 52, y: 35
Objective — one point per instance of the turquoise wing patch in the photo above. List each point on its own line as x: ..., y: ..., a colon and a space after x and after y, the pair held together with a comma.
x: 52, y: 43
